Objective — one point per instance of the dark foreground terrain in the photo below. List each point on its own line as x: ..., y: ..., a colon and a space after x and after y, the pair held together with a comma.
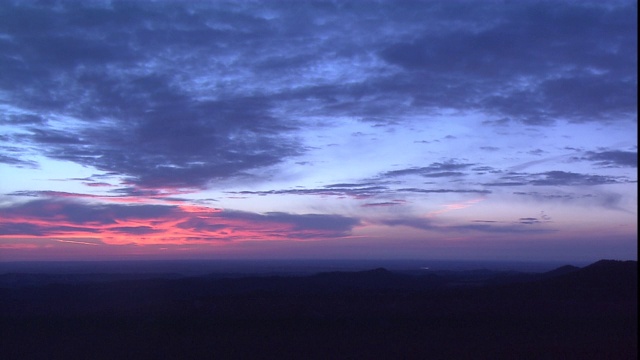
x: 568, y: 313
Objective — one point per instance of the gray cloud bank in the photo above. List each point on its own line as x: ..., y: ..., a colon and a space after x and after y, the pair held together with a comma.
x: 179, y: 94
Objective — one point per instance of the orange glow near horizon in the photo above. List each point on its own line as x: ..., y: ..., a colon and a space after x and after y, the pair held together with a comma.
x: 179, y: 225
x: 455, y: 206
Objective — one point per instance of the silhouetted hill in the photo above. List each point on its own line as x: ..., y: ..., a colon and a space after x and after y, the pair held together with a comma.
x: 607, y: 269
x: 603, y: 279
x: 567, y: 313
x: 560, y: 271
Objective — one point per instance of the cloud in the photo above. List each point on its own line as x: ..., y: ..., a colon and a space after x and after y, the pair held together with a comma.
x: 614, y: 158
x: 537, y: 152
x: 162, y: 224
x: 556, y: 178
x: 414, y: 222
x: 81, y: 213
x: 358, y: 191
x: 442, y: 191
x: 528, y: 60
x: 489, y: 148
x: 384, y: 203
x: 340, y: 190
x: 434, y: 170
x: 123, y: 196
x: 476, y: 226
x: 132, y: 115
x: 381, y: 101
x: 550, y: 196
x: 171, y: 94
x: 502, y: 229
x: 15, y: 161
x: 565, y: 178
x: 529, y: 221
x: 485, y: 169
x: 604, y: 199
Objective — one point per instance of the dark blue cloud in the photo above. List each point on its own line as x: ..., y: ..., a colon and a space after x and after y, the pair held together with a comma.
x: 331, y: 190
x: 579, y: 60
x: 557, y: 178
x: 81, y: 213
x: 180, y: 94
x: 614, y: 158
x: 569, y: 178
x: 434, y: 170
x: 137, y: 122
x: 476, y: 226
x: 17, y: 162
x: 337, y: 224
x: 442, y: 191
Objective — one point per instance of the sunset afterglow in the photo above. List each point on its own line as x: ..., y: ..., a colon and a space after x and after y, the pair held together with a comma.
x: 348, y: 129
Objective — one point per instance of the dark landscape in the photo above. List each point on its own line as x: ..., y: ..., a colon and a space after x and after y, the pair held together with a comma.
x: 318, y: 179
x: 587, y: 312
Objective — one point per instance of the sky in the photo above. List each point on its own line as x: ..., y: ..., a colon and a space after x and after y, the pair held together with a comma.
x: 480, y: 130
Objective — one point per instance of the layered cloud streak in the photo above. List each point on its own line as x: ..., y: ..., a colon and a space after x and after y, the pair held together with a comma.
x: 119, y: 224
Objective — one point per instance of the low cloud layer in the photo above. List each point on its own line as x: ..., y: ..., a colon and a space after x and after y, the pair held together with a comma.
x: 161, y: 224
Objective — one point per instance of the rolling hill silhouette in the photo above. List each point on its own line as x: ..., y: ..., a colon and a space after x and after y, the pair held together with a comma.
x: 566, y: 313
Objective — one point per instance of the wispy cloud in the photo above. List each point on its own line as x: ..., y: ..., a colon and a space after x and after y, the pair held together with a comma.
x: 162, y: 224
